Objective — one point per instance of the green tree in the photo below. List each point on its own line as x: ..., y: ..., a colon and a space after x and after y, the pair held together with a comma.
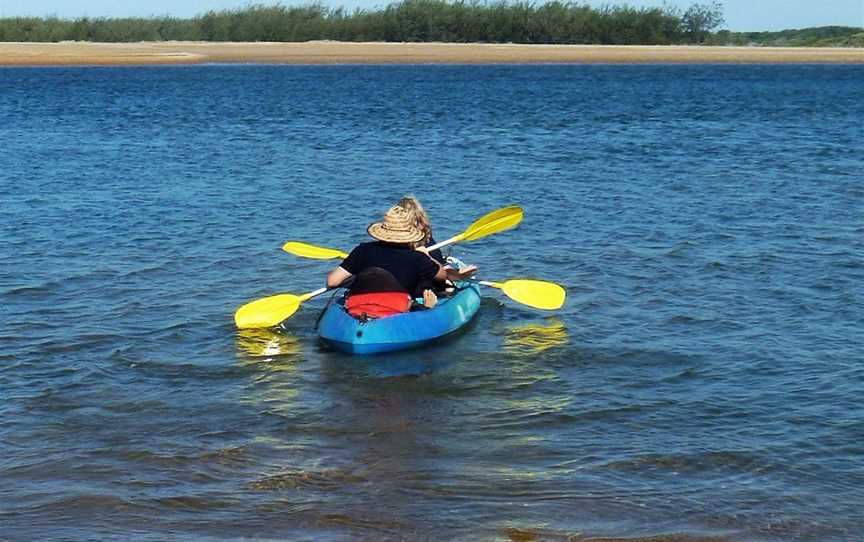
x: 701, y: 19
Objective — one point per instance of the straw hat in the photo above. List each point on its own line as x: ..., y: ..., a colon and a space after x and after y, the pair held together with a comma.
x: 397, y: 227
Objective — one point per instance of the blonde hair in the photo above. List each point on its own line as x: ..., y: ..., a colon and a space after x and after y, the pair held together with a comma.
x: 418, y: 215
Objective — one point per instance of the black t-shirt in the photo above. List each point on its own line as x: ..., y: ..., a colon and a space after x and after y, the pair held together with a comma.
x: 436, y: 254
x: 407, y: 265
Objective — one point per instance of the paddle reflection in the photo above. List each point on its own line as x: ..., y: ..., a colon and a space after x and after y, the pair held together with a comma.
x: 273, y: 358
x: 266, y: 343
x: 534, y: 338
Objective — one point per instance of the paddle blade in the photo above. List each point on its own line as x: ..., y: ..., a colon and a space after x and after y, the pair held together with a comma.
x: 497, y: 221
x: 267, y: 312
x: 535, y: 293
x: 305, y: 250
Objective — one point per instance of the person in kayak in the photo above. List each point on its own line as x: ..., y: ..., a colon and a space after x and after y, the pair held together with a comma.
x: 421, y: 220
x: 388, y: 271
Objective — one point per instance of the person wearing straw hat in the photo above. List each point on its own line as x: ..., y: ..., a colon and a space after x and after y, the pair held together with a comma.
x: 421, y: 220
x: 388, y: 271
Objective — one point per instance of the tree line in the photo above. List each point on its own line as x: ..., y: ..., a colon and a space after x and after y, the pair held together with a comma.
x: 823, y: 36
x: 472, y: 21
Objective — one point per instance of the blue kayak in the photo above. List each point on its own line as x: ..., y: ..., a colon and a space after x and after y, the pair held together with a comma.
x: 402, y: 331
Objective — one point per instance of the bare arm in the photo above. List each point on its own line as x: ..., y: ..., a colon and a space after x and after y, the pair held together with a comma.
x: 445, y: 272
x: 337, y: 277
x: 461, y: 274
x: 441, y: 275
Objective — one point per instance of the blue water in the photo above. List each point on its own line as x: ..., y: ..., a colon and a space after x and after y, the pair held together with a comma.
x: 705, y: 377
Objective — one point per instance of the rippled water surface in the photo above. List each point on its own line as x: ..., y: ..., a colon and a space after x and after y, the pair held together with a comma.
x: 705, y: 378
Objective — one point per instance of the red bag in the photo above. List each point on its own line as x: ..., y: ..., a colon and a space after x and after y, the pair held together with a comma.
x: 378, y: 304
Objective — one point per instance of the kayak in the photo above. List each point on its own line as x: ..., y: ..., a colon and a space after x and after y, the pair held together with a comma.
x: 402, y: 331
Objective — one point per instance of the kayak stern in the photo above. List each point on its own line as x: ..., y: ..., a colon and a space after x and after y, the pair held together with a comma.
x: 399, y: 332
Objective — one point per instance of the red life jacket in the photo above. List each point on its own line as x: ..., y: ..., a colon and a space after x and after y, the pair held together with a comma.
x: 377, y: 304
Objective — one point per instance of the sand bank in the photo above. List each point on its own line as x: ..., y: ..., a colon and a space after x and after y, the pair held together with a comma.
x: 329, y: 52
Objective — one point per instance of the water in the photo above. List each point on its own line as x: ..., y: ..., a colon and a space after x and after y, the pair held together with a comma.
x: 705, y: 377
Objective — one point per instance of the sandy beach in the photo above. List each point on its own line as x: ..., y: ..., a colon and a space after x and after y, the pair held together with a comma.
x: 329, y: 52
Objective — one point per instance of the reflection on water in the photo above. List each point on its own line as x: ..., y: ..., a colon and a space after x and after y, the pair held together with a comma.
x: 266, y: 343
x: 410, y: 363
x: 534, y: 338
x: 274, y: 357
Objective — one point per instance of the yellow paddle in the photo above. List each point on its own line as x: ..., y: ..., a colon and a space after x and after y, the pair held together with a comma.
x: 270, y: 311
x: 305, y: 250
x: 497, y: 221
x: 539, y: 294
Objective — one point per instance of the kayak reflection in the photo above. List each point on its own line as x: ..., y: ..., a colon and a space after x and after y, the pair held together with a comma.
x: 534, y: 338
x: 395, y: 364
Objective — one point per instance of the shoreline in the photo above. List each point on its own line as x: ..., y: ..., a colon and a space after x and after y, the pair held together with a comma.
x: 333, y: 52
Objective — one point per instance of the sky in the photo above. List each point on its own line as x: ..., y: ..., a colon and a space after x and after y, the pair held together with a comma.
x: 741, y: 15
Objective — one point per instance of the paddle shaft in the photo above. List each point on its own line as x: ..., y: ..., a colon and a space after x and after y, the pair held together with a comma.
x: 442, y: 244
x: 310, y: 295
x: 488, y: 283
